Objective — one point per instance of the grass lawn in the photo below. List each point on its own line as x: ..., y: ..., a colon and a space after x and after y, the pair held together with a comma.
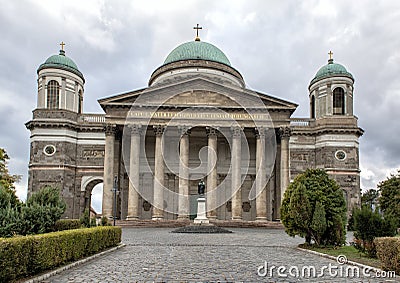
x: 350, y: 252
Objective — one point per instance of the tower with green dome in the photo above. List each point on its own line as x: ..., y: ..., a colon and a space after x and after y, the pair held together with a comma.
x: 60, y: 84
x: 331, y: 91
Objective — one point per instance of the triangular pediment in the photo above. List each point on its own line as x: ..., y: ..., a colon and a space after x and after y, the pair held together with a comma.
x: 199, y: 91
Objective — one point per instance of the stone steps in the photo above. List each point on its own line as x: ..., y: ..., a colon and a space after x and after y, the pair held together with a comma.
x: 182, y: 223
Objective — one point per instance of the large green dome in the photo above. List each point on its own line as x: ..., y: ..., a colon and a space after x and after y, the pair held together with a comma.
x: 331, y: 69
x: 61, y: 61
x: 197, y: 50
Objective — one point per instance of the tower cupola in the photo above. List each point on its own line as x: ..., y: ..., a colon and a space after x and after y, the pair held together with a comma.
x: 60, y: 84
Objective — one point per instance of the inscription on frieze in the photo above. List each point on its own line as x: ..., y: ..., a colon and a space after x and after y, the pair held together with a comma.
x: 93, y: 153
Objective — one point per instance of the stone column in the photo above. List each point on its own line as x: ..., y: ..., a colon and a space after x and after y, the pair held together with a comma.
x: 183, y: 201
x: 212, y: 180
x: 158, y: 200
x: 261, y: 199
x: 236, y: 174
x: 284, y: 133
x: 134, y: 165
x: 108, y: 180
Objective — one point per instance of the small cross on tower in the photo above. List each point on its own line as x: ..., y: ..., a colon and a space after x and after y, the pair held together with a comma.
x: 330, y: 55
x: 197, y: 32
x: 62, y: 45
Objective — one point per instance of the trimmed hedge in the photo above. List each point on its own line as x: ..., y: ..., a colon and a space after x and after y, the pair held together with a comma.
x: 67, y: 224
x: 388, y: 252
x: 28, y: 255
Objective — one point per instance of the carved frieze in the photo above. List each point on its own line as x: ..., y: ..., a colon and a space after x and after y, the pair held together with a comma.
x: 93, y: 153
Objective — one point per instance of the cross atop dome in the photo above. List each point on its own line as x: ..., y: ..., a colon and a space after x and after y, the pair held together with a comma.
x: 330, y: 57
x: 197, y: 32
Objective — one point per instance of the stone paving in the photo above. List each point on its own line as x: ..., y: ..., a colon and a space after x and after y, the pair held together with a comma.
x: 156, y: 255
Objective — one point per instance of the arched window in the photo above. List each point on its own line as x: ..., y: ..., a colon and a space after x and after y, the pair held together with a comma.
x: 53, y: 95
x: 80, y: 102
x: 312, y: 107
x: 338, y: 101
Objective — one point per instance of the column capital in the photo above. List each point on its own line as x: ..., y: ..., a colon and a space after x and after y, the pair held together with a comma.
x: 284, y: 132
x: 184, y: 130
x: 135, y: 129
x: 259, y: 132
x: 110, y: 129
x: 158, y: 130
x: 236, y: 131
x: 211, y: 132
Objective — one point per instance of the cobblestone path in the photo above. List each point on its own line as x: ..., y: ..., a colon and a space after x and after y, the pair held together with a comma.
x: 247, y: 255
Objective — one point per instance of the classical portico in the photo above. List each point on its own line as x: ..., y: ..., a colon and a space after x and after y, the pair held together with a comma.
x: 197, y: 121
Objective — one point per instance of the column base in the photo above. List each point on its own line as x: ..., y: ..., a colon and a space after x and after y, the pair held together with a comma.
x: 201, y: 221
x: 261, y: 219
x: 237, y: 218
x: 157, y: 218
x: 132, y: 218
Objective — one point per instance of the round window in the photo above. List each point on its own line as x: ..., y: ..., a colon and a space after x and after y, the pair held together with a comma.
x: 340, y: 155
x: 49, y: 150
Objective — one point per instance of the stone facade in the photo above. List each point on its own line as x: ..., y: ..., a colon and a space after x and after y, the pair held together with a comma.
x: 196, y: 120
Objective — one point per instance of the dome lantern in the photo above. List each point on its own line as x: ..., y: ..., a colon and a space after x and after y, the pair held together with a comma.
x: 61, y: 61
x: 331, y: 70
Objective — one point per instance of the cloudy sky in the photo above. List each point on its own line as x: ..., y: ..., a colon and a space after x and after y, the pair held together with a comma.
x: 278, y: 46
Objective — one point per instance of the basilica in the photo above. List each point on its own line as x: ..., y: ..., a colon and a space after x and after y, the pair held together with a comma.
x: 195, y: 121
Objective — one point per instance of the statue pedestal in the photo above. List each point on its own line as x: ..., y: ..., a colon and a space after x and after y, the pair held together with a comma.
x: 201, y: 212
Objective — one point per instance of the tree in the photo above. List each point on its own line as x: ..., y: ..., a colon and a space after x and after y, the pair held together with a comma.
x: 7, y: 180
x: 389, y: 200
x: 298, y: 212
x: 370, y: 198
x: 10, y: 206
x: 369, y: 224
x: 42, y: 210
x: 318, y: 223
x: 85, y: 218
x: 314, y: 207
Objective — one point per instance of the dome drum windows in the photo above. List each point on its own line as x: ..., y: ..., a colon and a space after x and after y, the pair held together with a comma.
x: 312, y: 107
x: 53, y: 95
x: 338, y: 101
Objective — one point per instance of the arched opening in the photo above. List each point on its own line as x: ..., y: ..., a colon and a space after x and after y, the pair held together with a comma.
x: 97, y: 198
x: 312, y: 107
x: 53, y: 95
x: 338, y: 101
x: 92, y: 191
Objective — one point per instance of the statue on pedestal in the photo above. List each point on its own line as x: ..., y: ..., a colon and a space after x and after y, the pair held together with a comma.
x: 201, y: 188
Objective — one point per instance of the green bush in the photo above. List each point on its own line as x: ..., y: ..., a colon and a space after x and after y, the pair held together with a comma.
x: 38, y: 215
x: 314, y: 207
x: 67, y: 224
x: 368, y: 225
x: 85, y: 218
x: 10, y: 222
x: 388, y: 252
x: 104, y: 221
x: 42, y: 210
x: 29, y: 255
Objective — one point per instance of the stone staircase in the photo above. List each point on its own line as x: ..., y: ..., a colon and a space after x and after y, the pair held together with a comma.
x: 182, y: 223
